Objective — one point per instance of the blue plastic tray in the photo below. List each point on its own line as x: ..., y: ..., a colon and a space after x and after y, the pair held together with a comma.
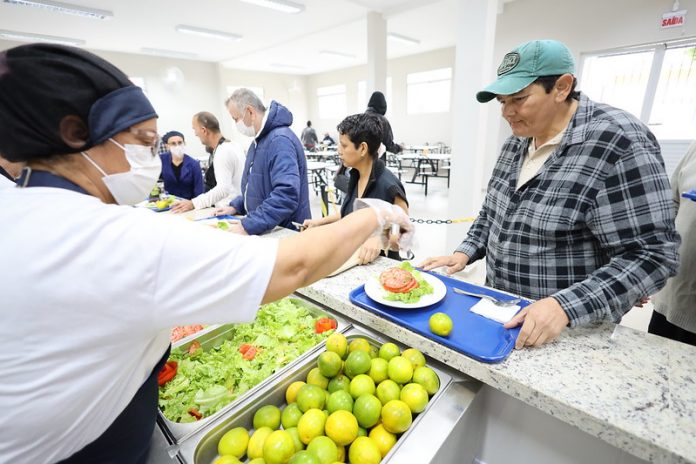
x: 219, y: 218
x: 473, y: 335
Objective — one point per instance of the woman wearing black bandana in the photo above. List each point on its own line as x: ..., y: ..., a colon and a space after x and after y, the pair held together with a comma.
x: 88, y: 296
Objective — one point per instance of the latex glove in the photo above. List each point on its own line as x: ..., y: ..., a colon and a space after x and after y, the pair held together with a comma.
x: 225, y: 210
x: 454, y: 262
x: 542, y: 322
x: 395, y: 228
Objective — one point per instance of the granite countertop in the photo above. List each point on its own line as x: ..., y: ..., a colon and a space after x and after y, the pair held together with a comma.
x: 631, y: 389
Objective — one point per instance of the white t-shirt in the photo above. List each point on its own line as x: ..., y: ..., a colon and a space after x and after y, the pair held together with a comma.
x: 89, y: 293
x: 6, y: 183
x: 228, y: 163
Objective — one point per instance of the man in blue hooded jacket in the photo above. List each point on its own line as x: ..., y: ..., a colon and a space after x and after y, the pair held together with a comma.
x: 274, y: 183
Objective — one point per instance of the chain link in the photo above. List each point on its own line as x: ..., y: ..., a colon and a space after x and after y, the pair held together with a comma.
x: 442, y: 221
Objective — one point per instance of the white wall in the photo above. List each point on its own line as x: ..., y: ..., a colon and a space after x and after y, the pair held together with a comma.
x: 409, y: 129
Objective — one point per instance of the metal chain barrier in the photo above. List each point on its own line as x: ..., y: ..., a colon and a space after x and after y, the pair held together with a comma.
x: 443, y: 221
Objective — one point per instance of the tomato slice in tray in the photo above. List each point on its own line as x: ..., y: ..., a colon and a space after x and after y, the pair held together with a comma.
x: 397, y: 280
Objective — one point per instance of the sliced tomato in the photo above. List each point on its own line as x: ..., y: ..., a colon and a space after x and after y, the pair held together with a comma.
x: 244, y: 347
x: 250, y: 353
x: 397, y: 280
x: 325, y: 323
x: 195, y: 413
x: 167, y: 373
x: 194, y: 347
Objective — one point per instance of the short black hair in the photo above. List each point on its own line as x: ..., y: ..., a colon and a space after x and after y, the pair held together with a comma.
x: 547, y: 82
x: 309, y: 123
x: 363, y: 127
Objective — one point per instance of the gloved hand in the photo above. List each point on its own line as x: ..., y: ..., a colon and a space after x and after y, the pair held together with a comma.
x: 395, y: 228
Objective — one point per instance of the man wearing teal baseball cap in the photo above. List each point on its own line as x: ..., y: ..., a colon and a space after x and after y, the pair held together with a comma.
x: 578, y: 214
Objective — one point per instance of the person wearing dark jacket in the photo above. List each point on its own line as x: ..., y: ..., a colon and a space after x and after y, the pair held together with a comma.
x: 274, y: 182
x: 378, y: 106
x: 358, y: 145
x: 181, y: 174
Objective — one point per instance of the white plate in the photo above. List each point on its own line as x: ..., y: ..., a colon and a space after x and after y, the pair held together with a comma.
x: 376, y: 292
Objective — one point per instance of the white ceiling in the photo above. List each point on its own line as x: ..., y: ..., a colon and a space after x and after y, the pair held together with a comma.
x: 272, y: 41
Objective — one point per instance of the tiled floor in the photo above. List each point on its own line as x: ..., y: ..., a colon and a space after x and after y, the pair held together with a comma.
x: 430, y: 238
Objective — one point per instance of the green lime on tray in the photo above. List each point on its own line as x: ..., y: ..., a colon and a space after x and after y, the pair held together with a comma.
x: 440, y: 324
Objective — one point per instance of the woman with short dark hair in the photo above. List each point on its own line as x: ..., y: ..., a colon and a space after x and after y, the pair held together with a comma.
x: 358, y: 147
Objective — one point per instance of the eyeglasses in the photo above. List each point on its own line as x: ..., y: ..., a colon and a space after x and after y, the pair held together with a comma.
x: 149, y: 137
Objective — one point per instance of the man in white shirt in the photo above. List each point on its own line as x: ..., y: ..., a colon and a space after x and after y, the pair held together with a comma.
x: 224, y: 176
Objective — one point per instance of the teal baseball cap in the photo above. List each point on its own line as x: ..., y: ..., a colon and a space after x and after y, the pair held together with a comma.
x: 525, y: 64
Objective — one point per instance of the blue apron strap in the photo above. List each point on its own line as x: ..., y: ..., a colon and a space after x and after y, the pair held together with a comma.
x: 127, y: 440
x: 32, y: 178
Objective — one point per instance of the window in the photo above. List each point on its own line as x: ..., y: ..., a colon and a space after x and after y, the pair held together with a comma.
x: 657, y: 84
x: 673, y: 114
x: 257, y: 90
x: 618, y: 80
x: 363, y: 97
x: 428, y: 91
x: 332, y: 102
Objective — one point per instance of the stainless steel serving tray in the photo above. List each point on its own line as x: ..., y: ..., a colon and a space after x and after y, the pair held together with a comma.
x: 214, y: 336
x: 202, y: 448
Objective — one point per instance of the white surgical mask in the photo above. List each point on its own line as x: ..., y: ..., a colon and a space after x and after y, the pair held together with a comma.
x: 131, y: 187
x: 244, y: 129
x: 177, y: 151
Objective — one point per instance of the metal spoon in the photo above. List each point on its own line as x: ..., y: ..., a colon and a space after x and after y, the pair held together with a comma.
x: 494, y: 300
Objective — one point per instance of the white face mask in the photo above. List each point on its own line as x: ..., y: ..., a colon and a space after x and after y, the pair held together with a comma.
x: 244, y: 129
x: 177, y: 151
x: 131, y: 187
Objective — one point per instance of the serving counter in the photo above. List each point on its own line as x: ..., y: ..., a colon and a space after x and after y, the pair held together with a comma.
x: 633, y: 390
x: 603, y: 393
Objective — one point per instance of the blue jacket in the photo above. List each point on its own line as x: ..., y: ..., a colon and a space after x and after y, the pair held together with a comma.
x: 274, y: 182
x: 190, y: 183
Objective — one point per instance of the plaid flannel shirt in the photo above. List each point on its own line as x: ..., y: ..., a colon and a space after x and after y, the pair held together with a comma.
x: 594, y: 228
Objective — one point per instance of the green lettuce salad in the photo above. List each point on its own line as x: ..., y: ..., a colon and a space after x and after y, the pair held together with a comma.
x: 206, y: 381
x: 412, y: 296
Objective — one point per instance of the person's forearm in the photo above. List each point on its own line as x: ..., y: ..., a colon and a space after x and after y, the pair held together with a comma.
x: 311, y: 255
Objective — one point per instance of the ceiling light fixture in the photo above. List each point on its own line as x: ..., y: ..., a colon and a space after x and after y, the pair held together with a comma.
x: 64, y: 8
x: 168, y: 53
x: 403, y: 39
x: 338, y: 54
x: 285, y: 6
x: 33, y: 38
x: 208, y: 33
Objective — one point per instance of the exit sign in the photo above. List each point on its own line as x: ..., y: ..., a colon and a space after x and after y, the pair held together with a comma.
x: 673, y: 19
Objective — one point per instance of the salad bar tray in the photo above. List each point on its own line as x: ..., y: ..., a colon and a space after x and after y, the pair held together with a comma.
x: 217, y: 368
x: 203, y: 447
x: 473, y: 335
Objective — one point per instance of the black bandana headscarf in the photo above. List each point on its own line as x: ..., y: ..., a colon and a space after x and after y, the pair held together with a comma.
x: 40, y: 84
